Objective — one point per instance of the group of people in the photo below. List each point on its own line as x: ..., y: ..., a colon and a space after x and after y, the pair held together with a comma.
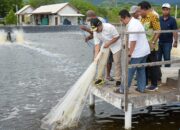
x: 143, y: 47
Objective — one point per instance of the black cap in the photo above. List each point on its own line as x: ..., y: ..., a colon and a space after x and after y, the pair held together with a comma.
x: 95, y: 22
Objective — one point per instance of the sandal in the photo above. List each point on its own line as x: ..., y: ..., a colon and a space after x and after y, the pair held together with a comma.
x: 109, y: 78
x: 99, y: 82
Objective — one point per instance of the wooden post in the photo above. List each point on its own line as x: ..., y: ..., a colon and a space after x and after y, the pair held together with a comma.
x: 92, y: 101
x: 124, y: 62
x: 126, y: 73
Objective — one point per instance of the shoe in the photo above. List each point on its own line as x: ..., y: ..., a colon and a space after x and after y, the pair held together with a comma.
x: 152, y: 88
x: 139, y: 90
x: 109, y: 78
x: 118, y: 83
x: 99, y: 82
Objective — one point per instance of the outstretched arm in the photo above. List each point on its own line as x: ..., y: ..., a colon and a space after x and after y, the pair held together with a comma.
x: 107, y: 44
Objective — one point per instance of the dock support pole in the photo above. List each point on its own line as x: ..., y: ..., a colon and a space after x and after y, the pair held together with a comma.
x: 92, y: 101
x: 128, y: 117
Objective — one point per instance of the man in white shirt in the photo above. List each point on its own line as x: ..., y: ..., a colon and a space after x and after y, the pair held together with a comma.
x: 138, y: 50
x: 90, y: 15
x: 109, y: 36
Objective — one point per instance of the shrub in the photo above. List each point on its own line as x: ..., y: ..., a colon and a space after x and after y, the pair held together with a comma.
x: 10, y: 18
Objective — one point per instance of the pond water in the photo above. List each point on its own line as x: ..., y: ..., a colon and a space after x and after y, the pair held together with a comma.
x: 36, y: 74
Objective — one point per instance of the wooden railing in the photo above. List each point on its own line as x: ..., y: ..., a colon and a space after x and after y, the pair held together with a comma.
x: 126, y: 66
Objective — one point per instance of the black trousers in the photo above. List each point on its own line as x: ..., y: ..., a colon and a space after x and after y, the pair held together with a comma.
x: 153, y: 73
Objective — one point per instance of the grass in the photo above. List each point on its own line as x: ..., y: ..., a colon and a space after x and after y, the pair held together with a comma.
x: 178, y: 23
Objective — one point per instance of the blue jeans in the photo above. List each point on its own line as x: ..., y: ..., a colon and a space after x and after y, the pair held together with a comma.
x: 165, y: 52
x: 141, y: 73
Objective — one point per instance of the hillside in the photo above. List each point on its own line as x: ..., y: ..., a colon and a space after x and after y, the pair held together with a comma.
x: 157, y: 2
x: 99, y: 2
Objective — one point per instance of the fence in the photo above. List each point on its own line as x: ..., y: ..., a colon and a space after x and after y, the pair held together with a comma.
x: 126, y: 66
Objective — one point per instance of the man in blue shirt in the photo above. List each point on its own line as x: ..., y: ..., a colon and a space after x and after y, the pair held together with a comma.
x: 166, y: 39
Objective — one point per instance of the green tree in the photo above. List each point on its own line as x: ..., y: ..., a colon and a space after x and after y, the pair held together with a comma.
x: 11, y: 18
x: 113, y: 15
x: 7, y: 5
x: 37, y: 3
x: 101, y: 11
x: 83, y: 6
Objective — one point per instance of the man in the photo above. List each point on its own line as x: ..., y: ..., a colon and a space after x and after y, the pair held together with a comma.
x: 138, y: 50
x: 90, y: 15
x: 109, y: 36
x: 151, y: 23
x: 134, y: 11
x: 166, y: 39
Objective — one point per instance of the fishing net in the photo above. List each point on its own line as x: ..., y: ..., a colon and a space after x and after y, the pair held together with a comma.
x: 67, y: 112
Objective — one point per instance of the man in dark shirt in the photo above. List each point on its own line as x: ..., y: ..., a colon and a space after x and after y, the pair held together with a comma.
x: 166, y: 39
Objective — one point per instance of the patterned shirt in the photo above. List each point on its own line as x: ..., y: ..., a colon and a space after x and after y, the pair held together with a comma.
x: 151, y: 23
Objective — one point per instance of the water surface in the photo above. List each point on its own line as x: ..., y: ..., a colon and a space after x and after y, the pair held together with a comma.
x: 36, y: 75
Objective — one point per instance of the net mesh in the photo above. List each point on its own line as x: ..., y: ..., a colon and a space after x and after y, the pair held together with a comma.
x: 67, y: 112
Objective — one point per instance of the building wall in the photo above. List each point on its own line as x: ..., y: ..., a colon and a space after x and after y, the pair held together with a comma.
x: 67, y: 10
x: 52, y: 20
x: 73, y: 19
x: 60, y: 19
x: 24, y: 14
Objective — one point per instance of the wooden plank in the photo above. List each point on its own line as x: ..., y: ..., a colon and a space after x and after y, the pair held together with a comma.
x: 147, y: 32
x: 165, y: 94
x: 106, y: 93
x: 154, y: 63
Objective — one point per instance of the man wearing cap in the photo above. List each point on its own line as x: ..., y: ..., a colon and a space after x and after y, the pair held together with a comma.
x: 134, y: 11
x: 167, y: 22
x: 90, y: 15
x: 109, y: 36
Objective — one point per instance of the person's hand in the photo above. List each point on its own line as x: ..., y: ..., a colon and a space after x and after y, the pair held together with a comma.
x: 83, y: 27
x: 129, y: 59
x: 152, y: 45
x: 106, y: 45
x: 87, y: 39
x: 175, y: 44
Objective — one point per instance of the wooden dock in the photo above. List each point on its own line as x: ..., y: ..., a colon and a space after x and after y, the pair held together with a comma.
x: 168, y: 92
x: 165, y: 94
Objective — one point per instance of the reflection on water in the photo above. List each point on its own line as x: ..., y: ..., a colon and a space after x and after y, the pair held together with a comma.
x: 3, y: 36
x: 35, y: 76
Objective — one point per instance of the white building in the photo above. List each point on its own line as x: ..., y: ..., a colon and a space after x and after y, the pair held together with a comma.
x: 56, y: 14
x: 24, y: 15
